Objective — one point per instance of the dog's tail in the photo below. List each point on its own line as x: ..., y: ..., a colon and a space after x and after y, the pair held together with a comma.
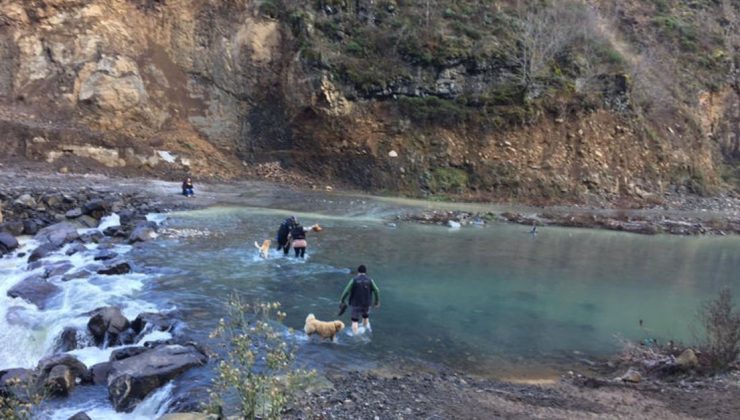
x: 309, y: 328
x: 257, y: 245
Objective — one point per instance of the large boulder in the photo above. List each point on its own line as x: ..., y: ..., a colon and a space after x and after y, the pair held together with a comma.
x: 12, y: 377
x: 99, y: 373
x: 118, y: 267
x: 76, y: 368
x: 80, y: 416
x: 60, y: 380
x: 34, y: 289
x: 133, y: 378
x: 107, y: 322
x: 58, y: 234
x: 127, y: 352
x: 7, y: 243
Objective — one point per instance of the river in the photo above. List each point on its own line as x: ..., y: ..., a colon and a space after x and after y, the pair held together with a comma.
x: 489, y: 300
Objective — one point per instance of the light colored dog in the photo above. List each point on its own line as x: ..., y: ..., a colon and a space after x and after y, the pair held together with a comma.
x: 264, y: 249
x: 324, y: 329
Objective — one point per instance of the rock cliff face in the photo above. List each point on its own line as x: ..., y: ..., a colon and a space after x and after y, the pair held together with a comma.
x: 364, y: 94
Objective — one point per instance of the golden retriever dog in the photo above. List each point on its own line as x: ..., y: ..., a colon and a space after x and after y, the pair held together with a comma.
x: 324, y: 329
x: 316, y: 228
x: 264, y: 249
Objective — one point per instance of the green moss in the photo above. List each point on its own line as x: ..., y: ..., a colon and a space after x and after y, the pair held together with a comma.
x: 448, y: 180
x: 433, y: 110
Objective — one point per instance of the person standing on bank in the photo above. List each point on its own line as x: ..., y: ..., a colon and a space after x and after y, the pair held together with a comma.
x: 360, y: 290
x: 187, y: 187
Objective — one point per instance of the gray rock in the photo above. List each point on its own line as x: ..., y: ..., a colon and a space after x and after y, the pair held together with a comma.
x: 96, y: 208
x: 60, y: 381
x: 67, y: 340
x: 31, y: 227
x: 80, y: 416
x: 115, y: 268
x: 42, y: 251
x: 15, y: 228
x: 99, y: 373
x: 105, y: 254
x: 26, y: 200
x: 7, y: 242
x: 58, y: 234
x: 76, y: 368
x: 88, y: 221
x: 132, y: 379
x: 151, y: 321
x: 34, y: 289
x: 75, y: 248
x: 74, y: 213
x: 107, y: 322
x: 12, y: 378
x: 127, y: 352
x: 58, y: 269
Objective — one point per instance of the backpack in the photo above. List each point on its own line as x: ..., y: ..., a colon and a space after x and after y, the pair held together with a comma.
x: 361, y: 291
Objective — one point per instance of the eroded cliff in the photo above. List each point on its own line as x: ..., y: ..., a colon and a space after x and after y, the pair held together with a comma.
x: 559, y: 101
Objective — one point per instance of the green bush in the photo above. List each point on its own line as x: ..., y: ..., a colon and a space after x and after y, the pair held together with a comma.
x: 433, y: 110
x: 269, y: 8
x: 256, y: 369
x: 448, y: 180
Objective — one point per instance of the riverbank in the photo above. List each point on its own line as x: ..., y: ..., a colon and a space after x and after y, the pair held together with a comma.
x: 418, y: 392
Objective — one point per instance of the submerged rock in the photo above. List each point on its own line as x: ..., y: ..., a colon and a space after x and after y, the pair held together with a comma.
x: 150, y: 321
x: 142, y: 233
x: 121, y: 267
x: 34, y: 289
x: 133, y: 378
x: 107, y: 322
x: 42, y: 251
x: 67, y: 340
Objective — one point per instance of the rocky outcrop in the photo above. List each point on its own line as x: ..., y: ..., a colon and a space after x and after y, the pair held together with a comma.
x: 107, y: 324
x: 133, y: 378
x: 76, y: 369
x: 120, y: 267
x: 34, y: 289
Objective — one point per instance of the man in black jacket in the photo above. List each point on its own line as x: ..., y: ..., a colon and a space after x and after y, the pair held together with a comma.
x: 360, y: 290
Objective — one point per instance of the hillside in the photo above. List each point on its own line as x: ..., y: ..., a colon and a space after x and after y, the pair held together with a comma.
x: 556, y: 101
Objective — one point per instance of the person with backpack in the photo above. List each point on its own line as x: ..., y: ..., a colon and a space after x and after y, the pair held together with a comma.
x: 360, y: 290
x: 283, y: 243
x: 298, y: 240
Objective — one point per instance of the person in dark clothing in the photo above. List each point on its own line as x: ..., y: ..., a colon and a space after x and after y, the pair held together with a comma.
x: 360, y: 290
x: 298, y: 240
x: 283, y: 243
x: 187, y: 187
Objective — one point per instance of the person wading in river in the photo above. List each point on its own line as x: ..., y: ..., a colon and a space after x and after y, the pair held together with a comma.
x: 283, y: 232
x: 360, y: 289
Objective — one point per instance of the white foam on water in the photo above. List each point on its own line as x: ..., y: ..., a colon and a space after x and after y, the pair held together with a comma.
x: 111, y: 220
x: 154, y: 406
x: 157, y: 218
x: 93, y: 355
x: 24, y: 326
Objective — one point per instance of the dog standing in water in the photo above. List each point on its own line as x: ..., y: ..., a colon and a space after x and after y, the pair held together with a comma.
x: 324, y: 329
x: 264, y: 249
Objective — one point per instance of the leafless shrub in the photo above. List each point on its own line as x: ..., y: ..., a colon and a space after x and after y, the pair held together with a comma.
x: 721, y: 324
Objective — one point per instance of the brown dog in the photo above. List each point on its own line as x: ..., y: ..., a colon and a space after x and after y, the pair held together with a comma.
x: 264, y: 249
x: 324, y: 329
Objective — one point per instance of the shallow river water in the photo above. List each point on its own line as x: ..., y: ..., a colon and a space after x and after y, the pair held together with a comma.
x: 491, y: 300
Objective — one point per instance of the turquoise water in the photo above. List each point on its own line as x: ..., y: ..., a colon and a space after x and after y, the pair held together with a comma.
x: 490, y: 299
